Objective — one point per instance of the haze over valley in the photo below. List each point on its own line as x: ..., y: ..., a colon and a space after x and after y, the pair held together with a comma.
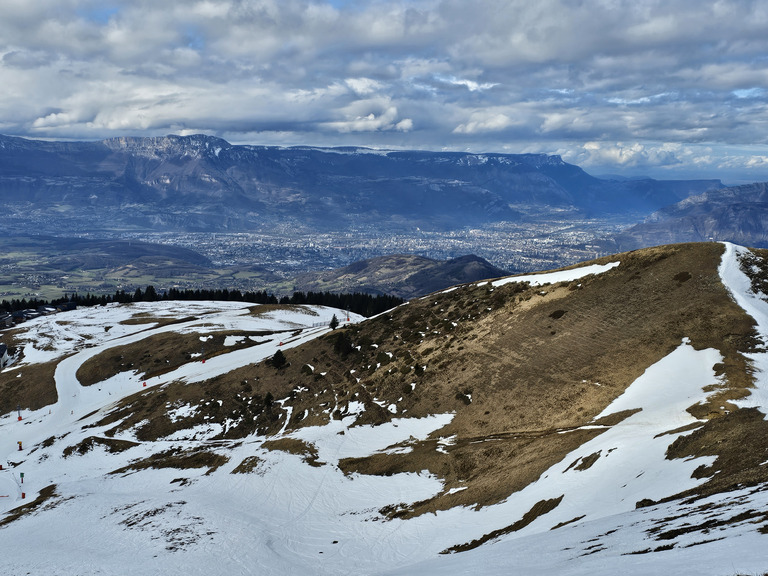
x: 257, y: 217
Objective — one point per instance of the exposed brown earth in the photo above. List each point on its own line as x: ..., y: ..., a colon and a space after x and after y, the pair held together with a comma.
x: 177, y: 458
x: 31, y: 387
x: 293, y: 446
x: 158, y: 354
x: 537, y: 361
x: 112, y: 445
x: 522, y: 368
x: 45, y: 495
x: 539, y: 509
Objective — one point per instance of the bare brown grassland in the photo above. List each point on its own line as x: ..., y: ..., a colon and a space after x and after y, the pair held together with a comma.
x: 522, y: 368
x: 31, y: 386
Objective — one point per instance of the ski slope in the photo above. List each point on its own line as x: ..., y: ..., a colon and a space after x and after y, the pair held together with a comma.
x: 286, y: 517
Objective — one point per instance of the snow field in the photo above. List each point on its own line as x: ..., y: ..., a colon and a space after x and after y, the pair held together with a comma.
x: 558, y: 276
x: 80, y: 335
x: 287, y: 517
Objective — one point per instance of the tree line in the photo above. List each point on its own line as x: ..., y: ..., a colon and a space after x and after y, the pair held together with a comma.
x: 357, y: 302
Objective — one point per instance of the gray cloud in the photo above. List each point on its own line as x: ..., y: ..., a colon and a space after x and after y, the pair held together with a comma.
x: 664, y: 87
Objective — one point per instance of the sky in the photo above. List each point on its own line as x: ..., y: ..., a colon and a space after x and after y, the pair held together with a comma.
x: 670, y: 89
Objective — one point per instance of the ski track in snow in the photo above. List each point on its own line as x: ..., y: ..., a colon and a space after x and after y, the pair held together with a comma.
x: 286, y: 517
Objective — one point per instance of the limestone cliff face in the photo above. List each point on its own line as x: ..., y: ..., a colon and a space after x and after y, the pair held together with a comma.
x: 199, y: 182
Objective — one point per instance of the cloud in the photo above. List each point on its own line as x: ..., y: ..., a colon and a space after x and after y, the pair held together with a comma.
x: 485, y: 121
x: 491, y: 74
x: 363, y: 86
x: 631, y: 155
x: 384, y: 117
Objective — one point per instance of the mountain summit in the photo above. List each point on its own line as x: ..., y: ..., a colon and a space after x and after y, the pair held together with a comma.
x: 609, y: 417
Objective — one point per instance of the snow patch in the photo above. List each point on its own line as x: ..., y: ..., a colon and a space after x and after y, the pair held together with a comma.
x: 555, y: 277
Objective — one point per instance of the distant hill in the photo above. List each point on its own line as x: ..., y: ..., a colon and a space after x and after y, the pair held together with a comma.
x: 202, y: 183
x: 405, y: 276
x: 737, y: 214
x: 50, y: 266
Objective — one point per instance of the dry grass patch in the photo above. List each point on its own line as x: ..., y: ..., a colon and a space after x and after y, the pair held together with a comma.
x: 487, y: 470
x: 46, y: 494
x: 159, y: 354
x: 516, y: 364
x: 739, y: 441
x: 539, y: 509
x: 156, y: 321
x: 30, y: 386
x: 263, y: 309
x: 248, y: 465
x: 112, y: 445
x: 233, y: 409
x: 307, y: 451
x: 177, y: 458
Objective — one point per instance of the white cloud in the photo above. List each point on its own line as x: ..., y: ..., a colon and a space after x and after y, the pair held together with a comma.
x: 485, y: 122
x: 385, y: 118
x: 491, y: 73
x: 471, y: 85
x: 363, y: 86
x: 629, y: 155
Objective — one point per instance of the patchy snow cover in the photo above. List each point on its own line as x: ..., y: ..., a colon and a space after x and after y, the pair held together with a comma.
x: 180, y: 412
x: 287, y: 517
x: 741, y: 289
x: 558, y: 276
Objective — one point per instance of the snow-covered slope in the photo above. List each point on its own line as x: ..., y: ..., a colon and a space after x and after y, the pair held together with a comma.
x: 289, y: 503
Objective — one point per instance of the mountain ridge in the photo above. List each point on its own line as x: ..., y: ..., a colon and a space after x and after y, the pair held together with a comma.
x: 610, y: 412
x: 404, y: 276
x: 736, y: 214
x: 203, y: 183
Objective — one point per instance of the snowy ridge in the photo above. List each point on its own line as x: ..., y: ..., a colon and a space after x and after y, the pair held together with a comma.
x: 558, y: 276
x: 285, y: 516
x: 755, y: 305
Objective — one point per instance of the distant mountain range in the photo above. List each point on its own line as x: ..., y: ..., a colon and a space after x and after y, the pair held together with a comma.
x: 202, y: 183
x: 737, y: 214
x: 192, y: 184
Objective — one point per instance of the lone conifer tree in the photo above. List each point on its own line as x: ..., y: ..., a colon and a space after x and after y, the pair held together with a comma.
x: 278, y: 360
x: 334, y: 322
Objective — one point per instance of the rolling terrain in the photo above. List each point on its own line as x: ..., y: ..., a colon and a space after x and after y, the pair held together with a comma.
x: 49, y: 267
x: 404, y: 275
x: 604, y: 418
